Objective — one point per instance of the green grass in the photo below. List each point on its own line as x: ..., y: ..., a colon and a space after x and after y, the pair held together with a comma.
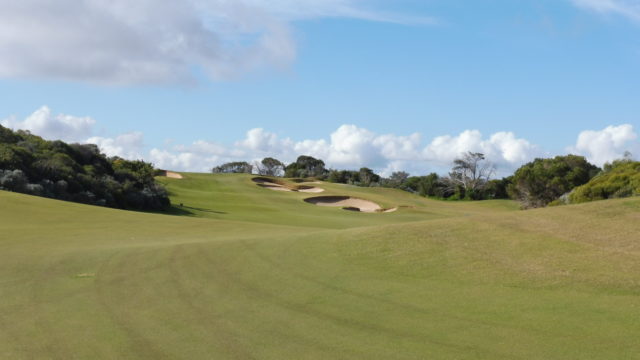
x: 243, y: 272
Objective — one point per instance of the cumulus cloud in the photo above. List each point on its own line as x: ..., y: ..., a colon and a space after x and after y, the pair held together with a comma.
x: 128, y: 146
x: 610, y: 143
x: 179, y: 161
x: 502, y: 148
x: 348, y: 147
x: 260, y: 141
x: 352, y: 147
x: 75, y: 129
x: 156, y: 41
x: 628, y: 8
x: 59, y: 127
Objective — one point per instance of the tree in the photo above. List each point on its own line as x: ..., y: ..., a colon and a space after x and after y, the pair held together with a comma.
x: 270, y: 167
x: 237, y: 167
x: 431, y: 185
x: 470, y: 174
x: 306, y: 166
x: 542, y: 181
x: 497, y: 188
x: 367, y: 177
x: 338, y: 176
x: 397, y: 179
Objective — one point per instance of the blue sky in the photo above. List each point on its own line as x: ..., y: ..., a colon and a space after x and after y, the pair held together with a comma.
x: 386, y: 84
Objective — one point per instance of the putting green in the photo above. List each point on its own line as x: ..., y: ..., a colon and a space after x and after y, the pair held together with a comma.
x: 242, y: 272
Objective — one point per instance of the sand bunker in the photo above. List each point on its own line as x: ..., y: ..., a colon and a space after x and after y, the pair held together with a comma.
x: 173, y: 175
x: 170, y: 174
x: 346, y: 202
x: 272, y: 185
x: 266, y: 183
x: 313, y: 190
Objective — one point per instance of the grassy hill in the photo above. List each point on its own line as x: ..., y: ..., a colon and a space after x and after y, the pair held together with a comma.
x: 243, y: 272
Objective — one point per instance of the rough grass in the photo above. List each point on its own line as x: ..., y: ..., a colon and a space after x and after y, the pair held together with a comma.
x: 248, y: 273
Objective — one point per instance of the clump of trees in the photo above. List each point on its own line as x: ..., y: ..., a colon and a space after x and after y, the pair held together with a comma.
x: 270, y: 167
x: 76, y: 172
x: 469, y: 176
x: 363, y: 177
x: 237, y: 167
x: 542, y: 181
x: 303, y: 167
x: 469, y: 179
x: 306, y: 166
x: 429, y: 185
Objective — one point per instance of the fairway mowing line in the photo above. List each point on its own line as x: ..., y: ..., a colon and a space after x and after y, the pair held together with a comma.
x: 364, y: 296
x: 255, y: 292
x: 56, y: 345
x: 228, y: 340
x: 138, y: 343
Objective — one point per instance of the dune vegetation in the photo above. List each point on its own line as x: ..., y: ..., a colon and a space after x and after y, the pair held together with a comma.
x: 618, y: 180
x: 237, y: 271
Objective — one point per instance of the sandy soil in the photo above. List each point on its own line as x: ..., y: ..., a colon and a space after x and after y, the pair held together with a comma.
x: 270, y: 185
x: 171, y: 174
x: 274, y: 187
x: 277, y: 187
x: 345, y: 202
x: 313, y: 190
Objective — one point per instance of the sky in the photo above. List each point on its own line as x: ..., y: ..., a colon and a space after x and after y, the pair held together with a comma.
x: 387, y: 84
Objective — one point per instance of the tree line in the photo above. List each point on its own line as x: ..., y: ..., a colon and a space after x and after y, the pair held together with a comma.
x: 76, y: 172
x: 539, y: 183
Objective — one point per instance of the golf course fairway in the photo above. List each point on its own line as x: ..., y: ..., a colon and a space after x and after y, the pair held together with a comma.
x: 243, y: 272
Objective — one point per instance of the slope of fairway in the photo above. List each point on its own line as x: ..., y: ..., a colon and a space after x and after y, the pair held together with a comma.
x: 250, y: 273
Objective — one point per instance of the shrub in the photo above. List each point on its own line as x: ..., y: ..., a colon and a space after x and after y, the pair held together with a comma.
x: 620, y: 179
x: 76, y: 172
x: 542, y: 181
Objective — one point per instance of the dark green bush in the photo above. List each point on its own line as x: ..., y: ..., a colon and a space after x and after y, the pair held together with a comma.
x: 76, y: 172
x: 542, y: 181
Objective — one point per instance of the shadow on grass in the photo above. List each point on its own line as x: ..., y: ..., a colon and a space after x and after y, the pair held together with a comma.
x: 202, y: 210
x: 184, y: 210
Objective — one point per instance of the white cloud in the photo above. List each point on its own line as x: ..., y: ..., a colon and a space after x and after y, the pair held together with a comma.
x: 180, y: 161
x: 59, y: 127
x: 76, y: 129
x: 610, y: 143
x: 348, y: 147
x: 502, y: 148
x: 260, y: 141
x: 351, y: 147
x: 628, y: 8
x: 157, y: 41
x: 128, y: 146
x: 306, y: 9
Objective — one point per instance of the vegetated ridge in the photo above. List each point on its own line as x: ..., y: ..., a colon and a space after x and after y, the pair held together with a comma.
x: 76, y: 172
